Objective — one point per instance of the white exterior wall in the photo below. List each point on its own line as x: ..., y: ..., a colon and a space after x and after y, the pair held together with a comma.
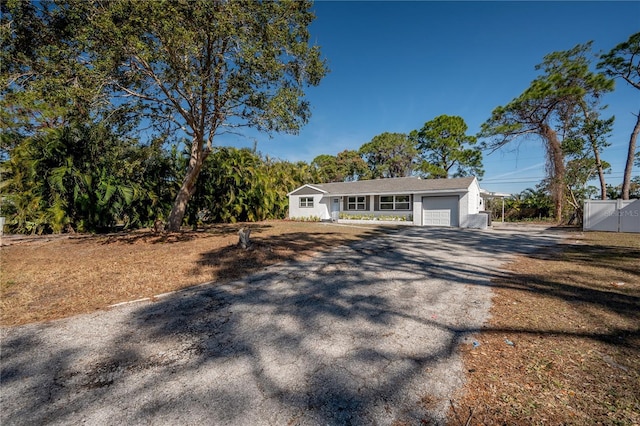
x: 464, y: 207
x: 324, y: 207
x: 470, y: 206
x: 472, y: 200
x: 417, y: 209
x: 320, y: 207
x: 476, y: 204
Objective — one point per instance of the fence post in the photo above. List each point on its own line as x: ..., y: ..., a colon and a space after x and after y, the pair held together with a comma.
x: 585, y: 215
x: 618, y: 210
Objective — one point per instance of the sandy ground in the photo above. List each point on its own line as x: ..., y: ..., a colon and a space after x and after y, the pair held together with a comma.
x: 363, y: 335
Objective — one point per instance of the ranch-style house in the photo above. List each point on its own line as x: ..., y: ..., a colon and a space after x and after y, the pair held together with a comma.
x: 421, y: 202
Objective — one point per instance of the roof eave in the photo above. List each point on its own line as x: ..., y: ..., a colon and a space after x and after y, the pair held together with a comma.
x: 405, y: 192
x: 315, y: 188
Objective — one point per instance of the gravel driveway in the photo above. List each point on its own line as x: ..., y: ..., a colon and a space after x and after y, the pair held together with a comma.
x: 363, y: 335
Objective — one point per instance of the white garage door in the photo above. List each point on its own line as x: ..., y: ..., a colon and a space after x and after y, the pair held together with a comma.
x: 440, y: 211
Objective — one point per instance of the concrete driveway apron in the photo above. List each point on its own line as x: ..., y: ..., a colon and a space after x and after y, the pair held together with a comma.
x: 356, y: 336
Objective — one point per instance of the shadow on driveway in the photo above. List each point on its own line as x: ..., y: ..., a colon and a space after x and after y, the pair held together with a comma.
x: 356, y: 336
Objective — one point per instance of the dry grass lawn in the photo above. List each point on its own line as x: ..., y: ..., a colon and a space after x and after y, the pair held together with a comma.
x: 573, y: 317
x: 52, y: 277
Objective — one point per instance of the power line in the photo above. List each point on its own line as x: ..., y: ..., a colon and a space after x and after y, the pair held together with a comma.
x: 525, y: 179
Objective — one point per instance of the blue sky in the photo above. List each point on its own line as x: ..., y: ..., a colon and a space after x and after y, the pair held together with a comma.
x: 396, y: 65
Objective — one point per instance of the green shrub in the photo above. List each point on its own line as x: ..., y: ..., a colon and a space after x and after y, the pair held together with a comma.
x: 306, y: 219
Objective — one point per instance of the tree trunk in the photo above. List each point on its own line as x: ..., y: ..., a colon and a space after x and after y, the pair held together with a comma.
x: 556, y: 156
x: 626, y: 182
x: 577, y: 205
x: 603, y: 184
x: 180, y: 206
x: 198, y: 155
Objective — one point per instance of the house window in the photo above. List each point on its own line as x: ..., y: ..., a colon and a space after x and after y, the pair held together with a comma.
x: 401, y: 202
x: 386, y: 202
x: 356, y: 203
x: 394, y: 202
x: 306, y: 201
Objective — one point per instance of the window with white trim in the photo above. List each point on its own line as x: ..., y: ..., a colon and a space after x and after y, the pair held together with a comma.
x: 306, y: 201
x: 395, y: 202
x: 356, y: 203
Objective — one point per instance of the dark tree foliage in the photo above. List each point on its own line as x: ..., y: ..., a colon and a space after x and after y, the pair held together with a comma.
x: 389, y: 155
x: 204, y: 68
x: 239, y: 186
x: 83, y: 178
x: 198, y: 68
x: 446, y: 149
x: 347, y: 166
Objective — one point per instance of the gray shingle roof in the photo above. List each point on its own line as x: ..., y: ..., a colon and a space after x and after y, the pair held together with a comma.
x: 395, y: 185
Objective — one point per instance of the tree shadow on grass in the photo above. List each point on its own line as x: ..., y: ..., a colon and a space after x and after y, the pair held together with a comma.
x: 149, y: 236
x: 576, y: 312
x: 585, y: 277
x: 598, y: 304
x: 232, y: 261
x: 602, y: 256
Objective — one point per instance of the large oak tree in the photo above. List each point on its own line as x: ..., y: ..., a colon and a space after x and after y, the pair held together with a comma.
x: 203, y: 67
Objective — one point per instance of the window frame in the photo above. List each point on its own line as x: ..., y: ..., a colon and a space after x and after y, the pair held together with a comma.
x: 388, y: 203
x: 306, y: 202
x: 356, y: 203
x: 394, y: 202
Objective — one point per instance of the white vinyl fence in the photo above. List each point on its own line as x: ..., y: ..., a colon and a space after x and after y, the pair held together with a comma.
x: 612, y: 215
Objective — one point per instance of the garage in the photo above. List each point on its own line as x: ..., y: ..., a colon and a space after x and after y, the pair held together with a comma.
x: 440, y: 211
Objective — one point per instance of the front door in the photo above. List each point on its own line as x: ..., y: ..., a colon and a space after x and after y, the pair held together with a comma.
x: 335, y: 209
